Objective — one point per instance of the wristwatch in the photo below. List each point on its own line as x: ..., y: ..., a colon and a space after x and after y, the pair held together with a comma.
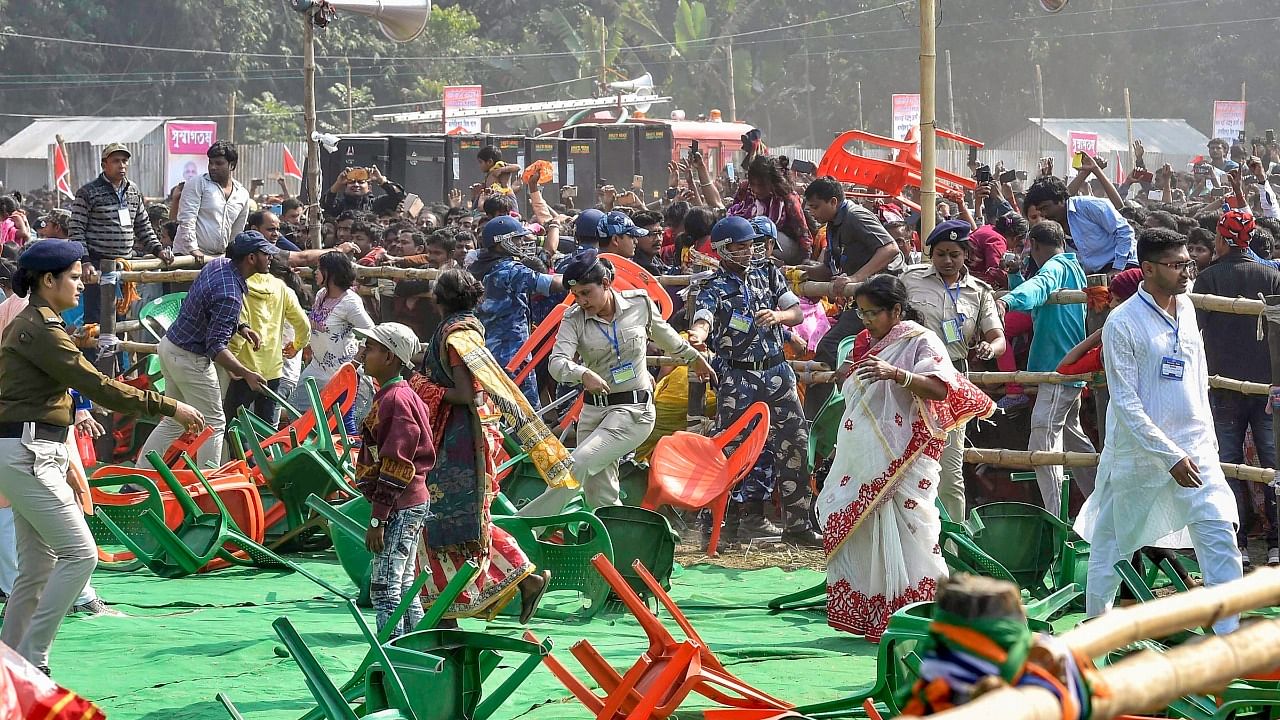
x: 375, y: 522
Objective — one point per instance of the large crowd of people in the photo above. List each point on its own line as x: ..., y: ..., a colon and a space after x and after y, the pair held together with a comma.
x: 906, y: 318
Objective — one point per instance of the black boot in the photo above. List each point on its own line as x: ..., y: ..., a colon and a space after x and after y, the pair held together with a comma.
x: 802, y: 536
x: 755, y: 525
x: 796, y: 503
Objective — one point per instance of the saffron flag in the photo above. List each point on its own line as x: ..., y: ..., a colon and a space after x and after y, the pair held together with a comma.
x: 291, y: 166
x: 62, y: 172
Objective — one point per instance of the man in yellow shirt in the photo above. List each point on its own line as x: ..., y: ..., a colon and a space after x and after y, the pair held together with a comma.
x: 268, y: 306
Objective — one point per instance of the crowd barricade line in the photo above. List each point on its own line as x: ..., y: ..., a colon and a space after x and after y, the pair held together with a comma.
x: 1039, y: 458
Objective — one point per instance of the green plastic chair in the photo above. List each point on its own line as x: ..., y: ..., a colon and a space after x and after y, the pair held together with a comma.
x: 563, y: 544
x: 1026, y: 540
x: 157, y: 315
x: 347, y: 525
x: 644, y: 535
x: 200, y: 537
x: 895, y: 670
x: 127, y: 518
x: 330, y: 702
x: 826, y: 424
x: 354, y: 689
x: 444, y: 671
x: 521, y: 483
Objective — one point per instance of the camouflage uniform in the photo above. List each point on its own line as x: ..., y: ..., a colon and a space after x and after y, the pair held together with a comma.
x: 505, y: 313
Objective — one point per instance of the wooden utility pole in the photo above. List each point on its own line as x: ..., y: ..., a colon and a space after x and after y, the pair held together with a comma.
x: 733, y: 94
x: 231, y: 116
x: 351, y: 124
x: 1040, y: 103
x: 604, y: 62
x: 808, y: 102
x: 311, y: 181
x: 928, y: 125
x: 1128, y: 122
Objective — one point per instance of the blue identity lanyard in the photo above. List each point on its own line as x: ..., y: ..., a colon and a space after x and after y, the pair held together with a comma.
x: 613, y: 339
x: 955, y: 296
x: 1172, y: 325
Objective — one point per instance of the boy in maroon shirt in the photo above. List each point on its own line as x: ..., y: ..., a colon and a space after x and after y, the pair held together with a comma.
x: 391, y: 470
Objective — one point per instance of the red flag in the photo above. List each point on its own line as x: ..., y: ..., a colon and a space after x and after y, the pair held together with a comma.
x: 291, y: 166
x: 62, y: 172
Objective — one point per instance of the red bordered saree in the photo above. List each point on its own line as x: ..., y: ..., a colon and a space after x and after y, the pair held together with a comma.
x: 877, y: 508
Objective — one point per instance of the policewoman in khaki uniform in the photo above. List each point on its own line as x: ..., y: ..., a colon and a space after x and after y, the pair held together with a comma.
x: 38, y: 364
x: 961, y: 309
x: 601, y: 344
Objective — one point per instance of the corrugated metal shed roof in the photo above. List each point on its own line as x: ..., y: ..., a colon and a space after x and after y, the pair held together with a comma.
x: 32, y: 142
x: 1171, y: 136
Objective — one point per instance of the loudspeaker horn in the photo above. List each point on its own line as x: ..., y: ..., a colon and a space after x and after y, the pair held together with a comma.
x: 642, y: 85
x: 400, y: 20
x: 1053, y: 6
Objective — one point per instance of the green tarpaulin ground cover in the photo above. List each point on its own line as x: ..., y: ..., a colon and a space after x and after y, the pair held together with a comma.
x: 183, y: 641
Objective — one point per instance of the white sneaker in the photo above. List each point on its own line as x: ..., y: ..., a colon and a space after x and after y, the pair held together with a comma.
x: 1273, y: 556
x: 94, y: 607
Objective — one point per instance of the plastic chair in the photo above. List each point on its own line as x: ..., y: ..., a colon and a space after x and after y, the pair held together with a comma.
x: 826, y: 424
x: 1025, y: 539
x: 628, y: 276
x: 908, y: 626
x: 125, y: 511
x: 347, y: 524
x: 201, y: 537
x: 356, y: 686
x: 331, y: 703
x: 642, y: 536
x: 665, y: 674
x: 571, y: 541
x: 690, y: 471
x: 157, y: 315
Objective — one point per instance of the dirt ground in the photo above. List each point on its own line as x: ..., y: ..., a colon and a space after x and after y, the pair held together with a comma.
x: 754, y: 557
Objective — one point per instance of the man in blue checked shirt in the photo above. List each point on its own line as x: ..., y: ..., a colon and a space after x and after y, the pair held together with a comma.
x: 198, y: 339
x: 1103, y: 240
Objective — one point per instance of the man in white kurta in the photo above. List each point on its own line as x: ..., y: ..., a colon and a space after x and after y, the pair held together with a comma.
x: 1160, y: 437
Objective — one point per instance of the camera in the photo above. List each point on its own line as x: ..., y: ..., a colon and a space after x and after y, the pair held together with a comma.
x: 982, y: 174
x: 1008, y: 176
x: 1202, y: 170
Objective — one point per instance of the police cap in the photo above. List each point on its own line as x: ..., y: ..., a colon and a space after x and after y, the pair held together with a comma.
x: 50, y: 255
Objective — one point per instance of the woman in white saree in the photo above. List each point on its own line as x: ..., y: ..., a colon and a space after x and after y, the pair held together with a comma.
x: 877, y: 508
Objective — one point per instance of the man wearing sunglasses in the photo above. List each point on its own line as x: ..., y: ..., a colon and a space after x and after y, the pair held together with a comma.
x: 353, y: 190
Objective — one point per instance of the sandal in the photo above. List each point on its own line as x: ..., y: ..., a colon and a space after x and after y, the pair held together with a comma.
x: 529, y: 603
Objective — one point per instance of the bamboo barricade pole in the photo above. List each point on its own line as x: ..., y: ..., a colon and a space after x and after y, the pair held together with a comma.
x: 1273, y: 350
x: 1199, y: 667
x: 1033, y: 458
x: 144, y: 271
x: 1094, y: 318
x: 106, y: 362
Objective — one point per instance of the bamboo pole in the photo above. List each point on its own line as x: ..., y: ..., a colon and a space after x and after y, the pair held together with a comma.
x: 1148, y: 681
x: 1197, y: 607
x: 1035, y: 458
x: 1143, y: 682
x: 928, y: 125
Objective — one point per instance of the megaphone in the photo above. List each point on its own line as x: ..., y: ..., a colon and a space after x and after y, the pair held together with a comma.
x: 400, y: 20
x: 644, y: 82
x: 1053, y: 6
x: 642, y: 85
x: 327, y: 141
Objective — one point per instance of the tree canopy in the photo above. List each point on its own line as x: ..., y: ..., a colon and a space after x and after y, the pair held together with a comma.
x: 797, y: 63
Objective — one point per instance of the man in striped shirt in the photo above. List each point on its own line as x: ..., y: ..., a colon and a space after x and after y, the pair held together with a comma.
x: 107, y: 217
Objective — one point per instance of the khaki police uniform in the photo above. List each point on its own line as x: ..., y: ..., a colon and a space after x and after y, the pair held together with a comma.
x: 56, y: 552
x: 614, y: 423
x: 961, y: 315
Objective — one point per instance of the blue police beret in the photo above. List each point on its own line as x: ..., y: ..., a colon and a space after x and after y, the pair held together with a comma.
x: 956, y: 231
x: 50, y: 255
x: 582, y: 261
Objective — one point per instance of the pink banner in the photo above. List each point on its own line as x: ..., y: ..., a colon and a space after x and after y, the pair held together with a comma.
x: 1085, y: 142
x: 190, y: 138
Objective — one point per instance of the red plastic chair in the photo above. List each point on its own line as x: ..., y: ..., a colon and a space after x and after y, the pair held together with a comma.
x: 666, y: 673
x: 690, y: 471
x: 888, y: 176
x: 630, y: 276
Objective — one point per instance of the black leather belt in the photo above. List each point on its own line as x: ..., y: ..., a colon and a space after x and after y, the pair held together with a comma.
x: 43, y: 431
x: 757, y: 366
x: 635, y: 397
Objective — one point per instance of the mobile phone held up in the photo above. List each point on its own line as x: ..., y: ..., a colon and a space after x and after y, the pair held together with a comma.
x: 1008, y: 176
x: 1077, y: 160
